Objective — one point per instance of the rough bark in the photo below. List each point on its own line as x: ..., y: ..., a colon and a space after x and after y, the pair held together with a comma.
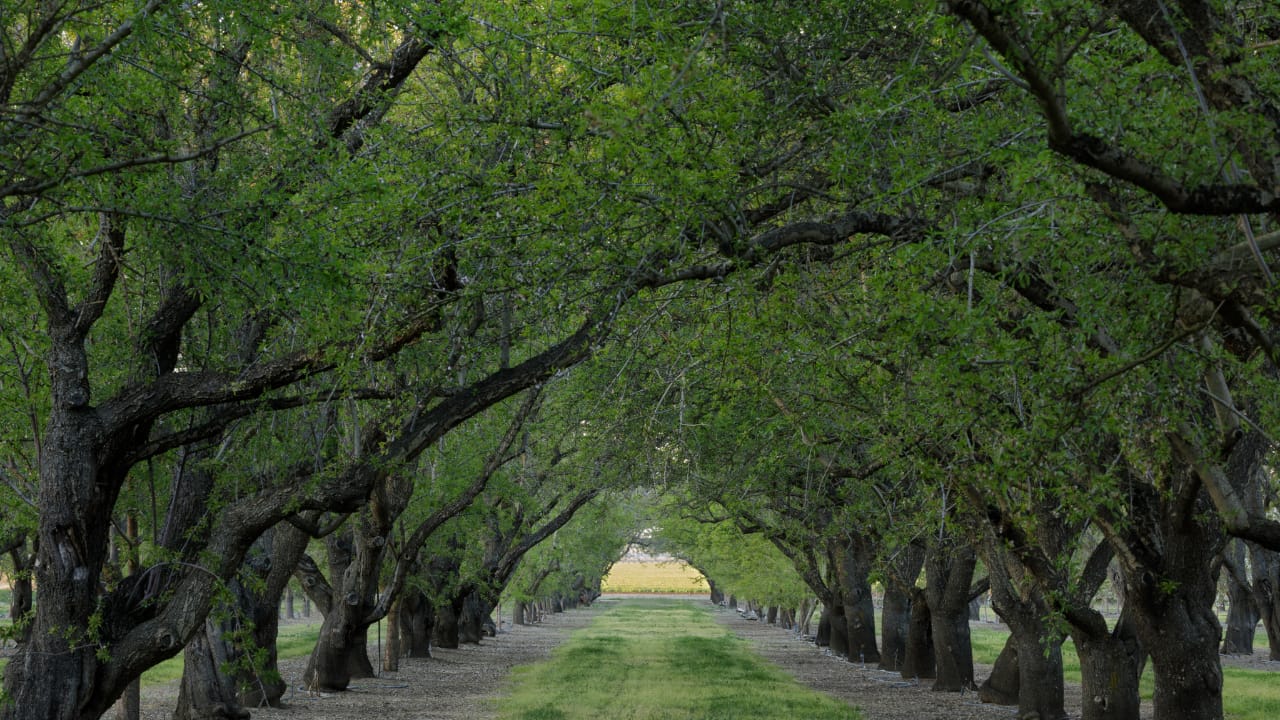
x: 949, y: 573
x: 391, y: 654
x: 232, y: 664
x: 919, y: 660
x: 21, y: 595
x: 1002, y: 686
x: 417, y: 617
x: 1242, y: 611
x: 1110, y: 665
x: 895, y: 615
x: 854, y: 587
x: 1036, y: 654
x: 1266, y: 590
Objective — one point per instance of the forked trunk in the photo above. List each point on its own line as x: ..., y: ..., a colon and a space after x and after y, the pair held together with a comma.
x: 1110, y: 664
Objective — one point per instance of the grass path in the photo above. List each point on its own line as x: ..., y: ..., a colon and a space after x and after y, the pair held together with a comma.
x: 660, y: 658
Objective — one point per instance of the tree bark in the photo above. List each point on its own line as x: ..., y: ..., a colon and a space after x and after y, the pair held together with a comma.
x: 1110, y: 665
x: 417, y: 618
x: 1002, y: 686
x: 895, y: 614
x: 919, y: 660
x: 391, y: 655
x: 1266, y: 593
x: 1242, y: 610
x: 232, y: 664
x: 859, y: 613
x: 949, y: 573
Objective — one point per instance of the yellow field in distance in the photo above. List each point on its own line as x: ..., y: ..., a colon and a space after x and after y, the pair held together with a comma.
x: 668, y: 576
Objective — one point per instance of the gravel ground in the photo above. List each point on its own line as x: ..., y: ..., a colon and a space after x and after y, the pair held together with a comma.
x: 463, y: 684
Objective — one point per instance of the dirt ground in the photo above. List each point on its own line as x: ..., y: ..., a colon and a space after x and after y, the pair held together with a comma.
x: 463, y: 684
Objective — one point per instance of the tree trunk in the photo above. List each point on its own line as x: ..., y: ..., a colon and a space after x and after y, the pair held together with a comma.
x: 52, y: 677
x: 474, y: 621
x: 895, y: 626
x: 839, y: 632
x: 949, y: 572
x: 129, y: 706
x: 208, y: 691
x: 391, y: 657
x: 901, y: 574
x: 289, y: 611
x: 1002, y: 685
x: 445, y: 633
x: 232, y: 663
x: 919, y: 660
x: 1110, y: 665
x: 823, y: 636
x: 21, y: 595
x: 1180, y: 629
x: 771, y: 615
x: 853, y: 576
x: 1266, y: 593
x: 518, y: 614
x: 1036, y: 656
x: 1242, y: 610
x: 717, y: 597
x: 417, y: 618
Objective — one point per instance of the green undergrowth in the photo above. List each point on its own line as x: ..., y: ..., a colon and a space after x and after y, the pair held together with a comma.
x: 660, y: 658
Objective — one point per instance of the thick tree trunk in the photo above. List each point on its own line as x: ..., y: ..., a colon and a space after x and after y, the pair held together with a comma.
x: 417, y: 617
x: 859, y: 613
x: 839, y: 632
x: 895, y: 616
x: 289, y: 612
x: 446, y: 633
x: 771, y: 615
x: 473, y: 621
x: 1002, y: 685
x: 129, y: 706
x: 1036, y: 657
x: 895, y: 626
x: 240, y: 648
x: 518, y: 614
x: 1180, y: 629
x: 823, y: 636
x: 1110, y: 665
x: 1242, y: 610
x: 919, y: 660
x: 949, y: 573
x: 53, y: 676
x: 208, y: 691
x: 1266, y: 594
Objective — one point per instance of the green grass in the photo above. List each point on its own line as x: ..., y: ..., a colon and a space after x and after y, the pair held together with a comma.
x: 660, y: 658
x: 1247, y: 694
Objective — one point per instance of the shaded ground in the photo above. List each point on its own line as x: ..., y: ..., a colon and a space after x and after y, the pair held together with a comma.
x: 463, y: 684
x: 457, y: 684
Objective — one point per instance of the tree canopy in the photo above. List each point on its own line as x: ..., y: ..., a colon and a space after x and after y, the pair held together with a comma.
x: 830, y: 296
